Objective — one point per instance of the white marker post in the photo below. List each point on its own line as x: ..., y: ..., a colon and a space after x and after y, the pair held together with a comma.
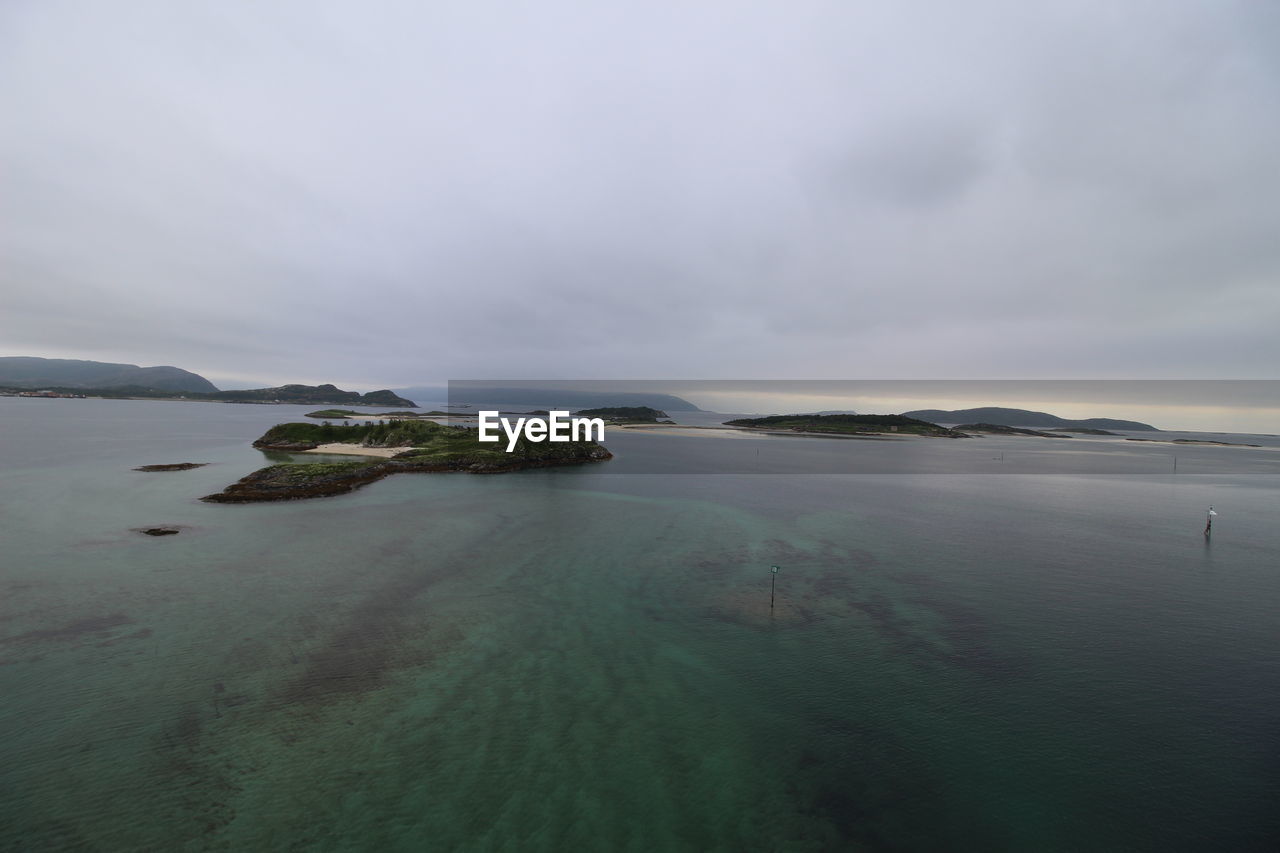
x: 773, y: 582
x: 1208, y: 522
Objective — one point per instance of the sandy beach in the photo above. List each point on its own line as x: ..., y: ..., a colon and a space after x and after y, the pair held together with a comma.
x: 357, y: 450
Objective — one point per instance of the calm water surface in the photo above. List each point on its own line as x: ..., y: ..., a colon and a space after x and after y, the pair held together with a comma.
x: 585, y: 659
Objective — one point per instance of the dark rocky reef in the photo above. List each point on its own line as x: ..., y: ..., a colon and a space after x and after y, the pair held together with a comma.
x: 177, y: 466
x: 294, y: 482
x: 299, y: 481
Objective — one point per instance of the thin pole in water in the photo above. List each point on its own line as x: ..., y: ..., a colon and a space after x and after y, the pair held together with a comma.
x: 1208, y: 522
x: 773, y: 583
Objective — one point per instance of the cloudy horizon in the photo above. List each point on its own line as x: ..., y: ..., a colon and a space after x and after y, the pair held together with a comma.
x: 393, y: 195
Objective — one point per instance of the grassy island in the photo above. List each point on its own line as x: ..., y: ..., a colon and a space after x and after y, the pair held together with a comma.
x: 848, y: 425
x: 332, y: 413
x: 428, y: 447
x: 625, y: 414
x: 348, y: 413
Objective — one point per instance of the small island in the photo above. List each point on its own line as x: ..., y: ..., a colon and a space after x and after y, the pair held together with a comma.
x: 1194, y: 441
x: 848, y: 425
x: 1083, y: 430
x: 1022, y: 418
x: 617, y: 415
x: 424, y: 446
x: 1001, y: 429
x: 339, y: 414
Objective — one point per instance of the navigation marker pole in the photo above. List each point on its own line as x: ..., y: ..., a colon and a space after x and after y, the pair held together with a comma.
x: 773, y: 583
x: 1208, y: 522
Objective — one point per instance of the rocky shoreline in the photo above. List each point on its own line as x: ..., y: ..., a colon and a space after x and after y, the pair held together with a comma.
x: 300, y: 481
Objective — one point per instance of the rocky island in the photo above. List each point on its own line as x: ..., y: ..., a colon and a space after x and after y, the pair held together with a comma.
x: 427, y: 447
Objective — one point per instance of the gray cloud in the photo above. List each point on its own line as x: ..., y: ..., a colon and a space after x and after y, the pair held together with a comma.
x: 397, y: 193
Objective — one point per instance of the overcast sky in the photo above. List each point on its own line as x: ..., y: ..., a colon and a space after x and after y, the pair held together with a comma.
x: 389, y: 194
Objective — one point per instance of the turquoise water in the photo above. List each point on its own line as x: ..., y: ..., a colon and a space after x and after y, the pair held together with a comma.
x: 585, y: 659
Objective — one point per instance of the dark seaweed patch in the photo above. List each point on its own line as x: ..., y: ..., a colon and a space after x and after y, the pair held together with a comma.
x: 362, y: 656
x: 73, y: 631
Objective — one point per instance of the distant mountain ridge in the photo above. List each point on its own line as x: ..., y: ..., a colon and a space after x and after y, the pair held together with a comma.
x: 1021, y: 418
x: 32, y: 372
x: 130, y: 380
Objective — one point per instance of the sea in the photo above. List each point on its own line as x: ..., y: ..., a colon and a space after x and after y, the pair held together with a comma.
x: 1002, y: 643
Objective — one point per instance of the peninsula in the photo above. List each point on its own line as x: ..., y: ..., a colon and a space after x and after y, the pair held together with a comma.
x: 424, y: 446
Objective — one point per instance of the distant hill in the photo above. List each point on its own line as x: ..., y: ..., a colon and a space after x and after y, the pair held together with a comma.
x: 547, y: 398
x: 1019, y: 418
x: 30, y: 372
x: 311, y: 394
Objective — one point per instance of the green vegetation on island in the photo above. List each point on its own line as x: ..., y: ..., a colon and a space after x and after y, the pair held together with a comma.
x: 396, y: 433
x: 332, y: 413
x: 625, y: 414
x: 429, y: 447
x: 848, y: 425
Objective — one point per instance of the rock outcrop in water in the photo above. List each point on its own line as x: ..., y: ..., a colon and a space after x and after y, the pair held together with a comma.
x: 177, y: 466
